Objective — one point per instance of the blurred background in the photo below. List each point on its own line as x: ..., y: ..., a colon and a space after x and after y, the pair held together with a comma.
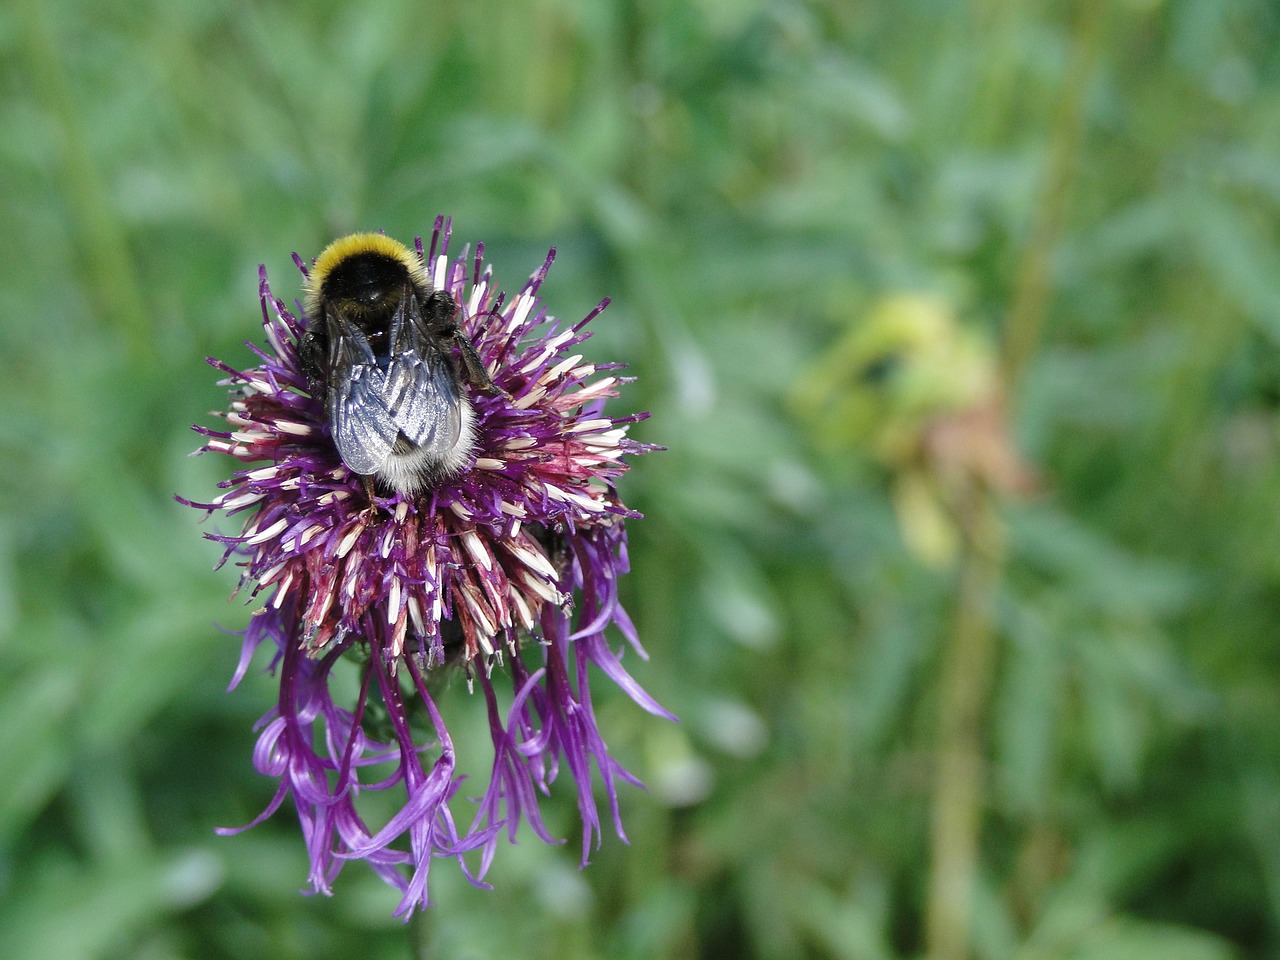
x: 961, y: 323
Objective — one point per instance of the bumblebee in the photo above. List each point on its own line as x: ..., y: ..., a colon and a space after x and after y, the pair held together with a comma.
x: 385, y: 355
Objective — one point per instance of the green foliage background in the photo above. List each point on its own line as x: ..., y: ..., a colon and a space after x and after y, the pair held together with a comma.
x: 743, y: 177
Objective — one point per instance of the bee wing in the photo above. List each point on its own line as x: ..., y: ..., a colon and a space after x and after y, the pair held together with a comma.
x: 420, y: 391
x: 415, y: 397
x: 363, y: 430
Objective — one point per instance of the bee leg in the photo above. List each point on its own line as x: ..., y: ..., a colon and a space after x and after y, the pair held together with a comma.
x: 368, y: 489
x: 442, y: 312
x: 473, y: 366
x: 311, y: 355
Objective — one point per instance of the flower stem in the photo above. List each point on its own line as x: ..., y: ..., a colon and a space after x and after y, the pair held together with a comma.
x: 420, y: 933
x: 1031, y: 288
x: 967, y: 668
x: 969, y: 658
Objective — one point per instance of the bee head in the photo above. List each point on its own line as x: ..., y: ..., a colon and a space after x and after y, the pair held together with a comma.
x: 367, y: 283
x: 364, y: 275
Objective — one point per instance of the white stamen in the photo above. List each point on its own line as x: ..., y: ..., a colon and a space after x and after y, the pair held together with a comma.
x: 533, y: 559
x: 393, y: 601
x: 530, y: 398
x: 276, y: 335
x: 522, y: 306
x: 477, y: 549
x: 242, y: 499
x: 478, y: 612
x: 282, y: 591
x: 541, y: 587
x: 543, y: 355
x: 584, y: 426
x: 349, y: 541
x: 558, y: 341
x: 415, y: 614
x: 591, y: 389
x: 522, y: 609
x: 268, y: 533
x: 272, y: 573
x: 397, y: 637
x: 560, y: 368
x: 326, y: 601
x: 566, y: 496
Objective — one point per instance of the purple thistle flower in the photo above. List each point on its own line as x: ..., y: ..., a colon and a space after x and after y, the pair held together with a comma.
x: 527, y: 543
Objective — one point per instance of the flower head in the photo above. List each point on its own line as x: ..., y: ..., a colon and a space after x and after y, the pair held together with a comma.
x: 526, y: 543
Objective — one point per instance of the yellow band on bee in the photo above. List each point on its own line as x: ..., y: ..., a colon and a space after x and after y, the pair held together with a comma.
x: 354, y: 245
x: 358, y: 243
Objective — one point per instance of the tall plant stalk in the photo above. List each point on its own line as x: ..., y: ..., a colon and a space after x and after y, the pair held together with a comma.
x: 967, y: 669
x: 969, y: 659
